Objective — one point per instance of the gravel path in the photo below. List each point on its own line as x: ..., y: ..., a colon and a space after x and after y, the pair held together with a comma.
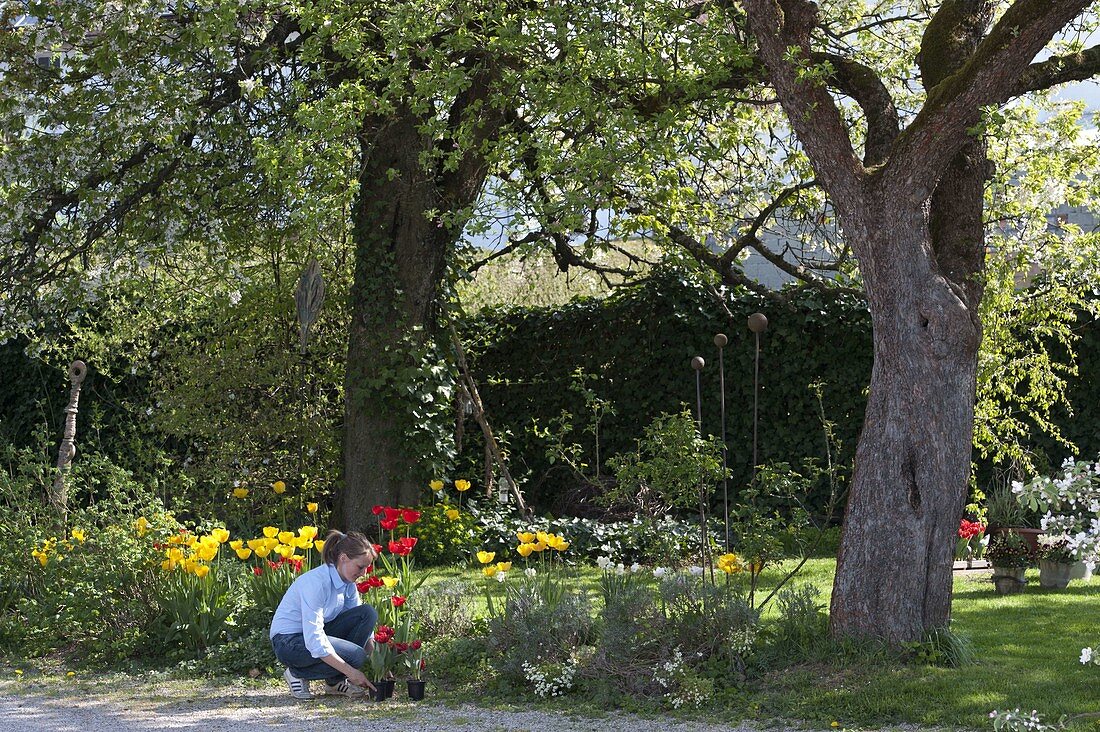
x: 75, y: 707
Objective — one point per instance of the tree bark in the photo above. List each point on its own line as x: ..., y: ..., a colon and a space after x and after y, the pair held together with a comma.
x: 893, y: 578
x: 400, y: 259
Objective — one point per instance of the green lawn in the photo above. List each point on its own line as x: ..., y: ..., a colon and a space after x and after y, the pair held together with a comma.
x: 1026, y: 648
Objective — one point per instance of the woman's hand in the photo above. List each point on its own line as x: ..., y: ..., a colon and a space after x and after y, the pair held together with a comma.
x: 356, y: 677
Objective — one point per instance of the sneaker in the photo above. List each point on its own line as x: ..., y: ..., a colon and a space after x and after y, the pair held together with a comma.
x: 299, y: 688
x: 344, y: 688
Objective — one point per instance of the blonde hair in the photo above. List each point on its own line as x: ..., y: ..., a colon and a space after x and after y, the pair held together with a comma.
x: 352, y: 543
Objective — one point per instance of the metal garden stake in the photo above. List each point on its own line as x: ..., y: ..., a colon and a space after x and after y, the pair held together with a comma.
x: 758, y: 323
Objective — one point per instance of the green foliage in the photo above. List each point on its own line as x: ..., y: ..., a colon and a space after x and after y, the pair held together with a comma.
x: 1008, y: 549
x: 639, y: 341
x: 800, y: 632
x: 669, y: 469
x: 443, y: 540
x: 942, y: 647
x: 530, y: 629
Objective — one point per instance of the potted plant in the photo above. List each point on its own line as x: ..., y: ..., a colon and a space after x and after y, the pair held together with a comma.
x: 1006, y: 513
x: 1055, y: 562
x: 971, y: 542
x: 414, y: 662
x: 1010, y: 557
x: 382, y: 658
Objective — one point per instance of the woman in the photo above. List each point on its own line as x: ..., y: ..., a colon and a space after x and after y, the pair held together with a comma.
x: 320, y: 629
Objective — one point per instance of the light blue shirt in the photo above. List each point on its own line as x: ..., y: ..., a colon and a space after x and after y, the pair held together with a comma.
x: 312, y: 600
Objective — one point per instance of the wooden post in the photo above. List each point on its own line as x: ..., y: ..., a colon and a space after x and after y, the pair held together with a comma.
x: 466, y: 382
x: 59, y: 494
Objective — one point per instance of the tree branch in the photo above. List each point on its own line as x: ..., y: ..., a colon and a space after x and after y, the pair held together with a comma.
x: 782, y: 29
x: 990, y: 74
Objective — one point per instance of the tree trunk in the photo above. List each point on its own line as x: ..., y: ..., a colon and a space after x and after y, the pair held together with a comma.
x: 912, y: 464
x: 400, y: 259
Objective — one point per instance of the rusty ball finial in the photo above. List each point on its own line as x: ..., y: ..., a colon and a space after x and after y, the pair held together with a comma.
x: 720, y: 340
x: 698, y: 363
x: 758, y: 323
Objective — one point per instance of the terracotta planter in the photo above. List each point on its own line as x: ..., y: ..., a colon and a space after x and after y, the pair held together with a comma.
x: 1030, y: 536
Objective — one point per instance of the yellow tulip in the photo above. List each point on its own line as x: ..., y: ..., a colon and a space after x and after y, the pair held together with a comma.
x: 525, y: 549
x: 539, y: 546
x: 221, y: 535
x: 279, y: 487
x: 176, y: 555
x: 504, y: 566
x: 452, y: 514
x: 190, y: 540
x: 201, y: 570
x: 240, y: 492
x: 271, y: 532
x: 309, y: 533
x: 255, y: 544
x: 561, y: 545
x: 262, y: 551
x: 489, y: 571
x: 525, y: 537
x: 319, y: 545
x: 286, y: 537
x: 78, y: 534
x: 543, y: 537
x: 243, y: 553
x: 486, y: 557
x: 42, y: 557
x: 141, y: 525
x: 175, y: 539
x: 286, y: 551
x: 436, y: 485
x: 167, y: 565
x: 462, y: 485
x: 206, y: 552
x: 311, y: 507
x: 389, y: 582
x: 236, y: 544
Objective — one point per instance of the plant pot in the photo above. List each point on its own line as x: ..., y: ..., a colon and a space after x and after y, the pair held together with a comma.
x: 1030, y: 536
x: 416, y: 689
x: 1080, y: 571
x: 1054, y: 575
x: 1009, y: 580
x: 383, y: 690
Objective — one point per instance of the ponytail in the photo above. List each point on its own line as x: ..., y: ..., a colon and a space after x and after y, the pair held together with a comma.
x: 353, y: 543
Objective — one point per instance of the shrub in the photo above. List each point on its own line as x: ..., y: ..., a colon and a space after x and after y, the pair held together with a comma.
x: 445, y: 540
x: 444, y: 609
x: 531, y: 630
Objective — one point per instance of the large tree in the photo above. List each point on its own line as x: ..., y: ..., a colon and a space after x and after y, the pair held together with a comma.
x: 889, y: 110
x: 187, y: 143
x: 911, y: 209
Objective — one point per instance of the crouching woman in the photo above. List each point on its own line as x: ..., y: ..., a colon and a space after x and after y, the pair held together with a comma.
x: 320, y: 629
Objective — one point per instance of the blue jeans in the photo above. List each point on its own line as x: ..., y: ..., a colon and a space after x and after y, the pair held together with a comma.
x: 348, y: 633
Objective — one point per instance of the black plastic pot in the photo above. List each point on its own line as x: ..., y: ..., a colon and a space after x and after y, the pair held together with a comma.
x: 383, y: 690
x: 416, y: 689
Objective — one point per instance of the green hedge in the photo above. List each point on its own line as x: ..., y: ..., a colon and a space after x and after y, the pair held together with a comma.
x: 640, y: 342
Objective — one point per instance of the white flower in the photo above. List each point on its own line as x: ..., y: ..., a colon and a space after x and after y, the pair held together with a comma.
x: 235, y: 296
x: 530, y: 572
x: 635, y: 567
x: 1086, y: 655
x: 500, y: 576
x: 659, y: 572
x: 603, y: 562
x: 696, y: 571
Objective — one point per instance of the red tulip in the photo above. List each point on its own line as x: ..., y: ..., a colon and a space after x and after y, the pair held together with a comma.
x: 377, y: 548
x: 377, y: 510
x: 392, y: 514
x: 410, y: 516
x: 387, y: 524
x: 398, y: 600
x: 363, y: 586
x: 257, y: 571
x: 415, y: 645
x: 401, y: 647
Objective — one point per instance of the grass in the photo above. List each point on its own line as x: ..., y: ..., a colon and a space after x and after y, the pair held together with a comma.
x: 1026, y: 648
